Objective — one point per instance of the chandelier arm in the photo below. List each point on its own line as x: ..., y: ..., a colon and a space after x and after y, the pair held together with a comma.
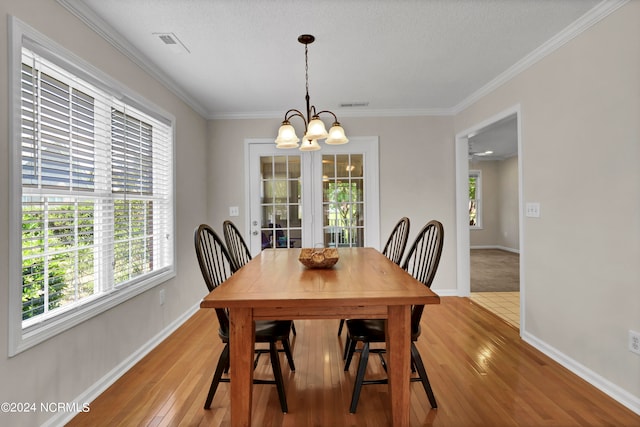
x: 312, y: 112
x: 287, y: 117
x: 335, y: 119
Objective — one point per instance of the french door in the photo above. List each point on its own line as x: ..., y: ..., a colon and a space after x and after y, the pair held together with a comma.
x: 306, y: 199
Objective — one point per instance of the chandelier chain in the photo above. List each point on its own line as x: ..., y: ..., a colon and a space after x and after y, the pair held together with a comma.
x: 306, y: 68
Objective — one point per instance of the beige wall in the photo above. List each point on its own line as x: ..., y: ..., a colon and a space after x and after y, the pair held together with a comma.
x: 509, y: 233
x: 500, y: 207
x: 580, y: 111
x: 416, y: 174
x: 62, y: 368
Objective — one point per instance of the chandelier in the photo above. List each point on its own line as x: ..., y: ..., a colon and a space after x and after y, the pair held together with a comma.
x: 315, y: 129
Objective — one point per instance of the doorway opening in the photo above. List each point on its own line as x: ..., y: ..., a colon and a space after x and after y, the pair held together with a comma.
x: 489, y: 215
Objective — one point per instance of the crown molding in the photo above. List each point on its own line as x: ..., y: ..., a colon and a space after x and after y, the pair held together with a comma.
x: 80, y: 10
x: 97, y: 24
x: 345, y: 112
x: 586, y: 21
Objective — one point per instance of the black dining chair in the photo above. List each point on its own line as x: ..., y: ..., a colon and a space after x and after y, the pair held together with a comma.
x: 216, y: 267
x: 422, y: 263
x: 238, y: 250
x: 393, y: 249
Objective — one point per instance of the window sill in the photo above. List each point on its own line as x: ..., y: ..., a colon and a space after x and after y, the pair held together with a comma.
x: 35, y: 334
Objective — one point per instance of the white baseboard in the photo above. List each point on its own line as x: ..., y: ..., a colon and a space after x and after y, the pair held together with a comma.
x: 615, y: 392
x: 61, y: 418
x: 502, y: 248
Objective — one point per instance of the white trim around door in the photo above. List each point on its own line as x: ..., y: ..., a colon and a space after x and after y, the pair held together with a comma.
x: 462, y: 205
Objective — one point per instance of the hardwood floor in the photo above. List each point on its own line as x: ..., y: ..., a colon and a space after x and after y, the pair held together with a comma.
x: 481, y: 372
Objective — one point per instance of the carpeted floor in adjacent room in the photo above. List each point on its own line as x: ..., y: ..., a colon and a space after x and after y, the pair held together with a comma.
x: 494, y: 270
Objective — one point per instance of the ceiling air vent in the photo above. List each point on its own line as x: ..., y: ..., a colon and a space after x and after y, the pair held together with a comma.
x: 353, y: 104
x: 167, y: 39
x: 172, y: 42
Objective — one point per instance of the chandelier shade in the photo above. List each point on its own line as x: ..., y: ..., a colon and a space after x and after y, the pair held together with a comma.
x: 315, y: 129
x: 310, y: 145
x: 336, y: 135
x: 287, y: 137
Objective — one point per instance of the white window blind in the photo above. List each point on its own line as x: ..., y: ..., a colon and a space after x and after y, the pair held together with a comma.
x: 97, y: 191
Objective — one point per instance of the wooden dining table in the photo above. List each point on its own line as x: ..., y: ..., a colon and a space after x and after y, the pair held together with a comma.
x: 362, y: 284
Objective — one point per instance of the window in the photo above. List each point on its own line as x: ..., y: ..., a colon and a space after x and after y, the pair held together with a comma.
x: 93, y: 192
x: 475, y: 200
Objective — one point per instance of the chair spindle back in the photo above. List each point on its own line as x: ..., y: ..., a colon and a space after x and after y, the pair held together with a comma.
x: 397, y: 242
x: 215, y: 265
x: 237, y: 247
x: 423, y: 259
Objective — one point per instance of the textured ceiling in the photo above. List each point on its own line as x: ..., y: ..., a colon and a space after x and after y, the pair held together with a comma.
x: 501, y: 138
x: 402, y: 57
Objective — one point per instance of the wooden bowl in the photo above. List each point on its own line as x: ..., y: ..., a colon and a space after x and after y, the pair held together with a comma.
x: 318, y: 258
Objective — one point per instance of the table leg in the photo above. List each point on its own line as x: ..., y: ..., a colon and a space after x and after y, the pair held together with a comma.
x: 399, y: 362
x: 241, y: 348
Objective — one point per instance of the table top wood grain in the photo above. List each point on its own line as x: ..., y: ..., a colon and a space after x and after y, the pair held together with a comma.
x: 275, y: 278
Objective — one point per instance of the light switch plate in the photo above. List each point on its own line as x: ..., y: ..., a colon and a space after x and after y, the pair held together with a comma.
x: 533, y: 210
x: 234, y: 211
x: 634, y: 341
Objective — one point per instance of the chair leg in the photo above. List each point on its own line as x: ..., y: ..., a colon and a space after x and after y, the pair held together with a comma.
x: 287, y: 351
x: 340, y: 327
x: 258, y: 353
x: 349, y: 351
x: 293, y: 329
x: 424, y: 379
x: 277, y: 373
x: 347, y: 344
x: 362, y: 368
x: 223, y: 365
x: 382, y: 361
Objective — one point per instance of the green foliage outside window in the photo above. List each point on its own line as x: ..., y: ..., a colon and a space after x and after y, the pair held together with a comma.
x: 342, y: 197
x: 472, y: 187
x: 473, y: 200
x: 49, y: 282
x: 133, y: 246
x: 344, y: 204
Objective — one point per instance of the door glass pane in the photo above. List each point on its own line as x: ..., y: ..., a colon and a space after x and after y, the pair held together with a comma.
x: 294, y: 167
x: 328, y: 167
x: 343, y: 200
x: 342, y: 165
x: 281, y: 201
